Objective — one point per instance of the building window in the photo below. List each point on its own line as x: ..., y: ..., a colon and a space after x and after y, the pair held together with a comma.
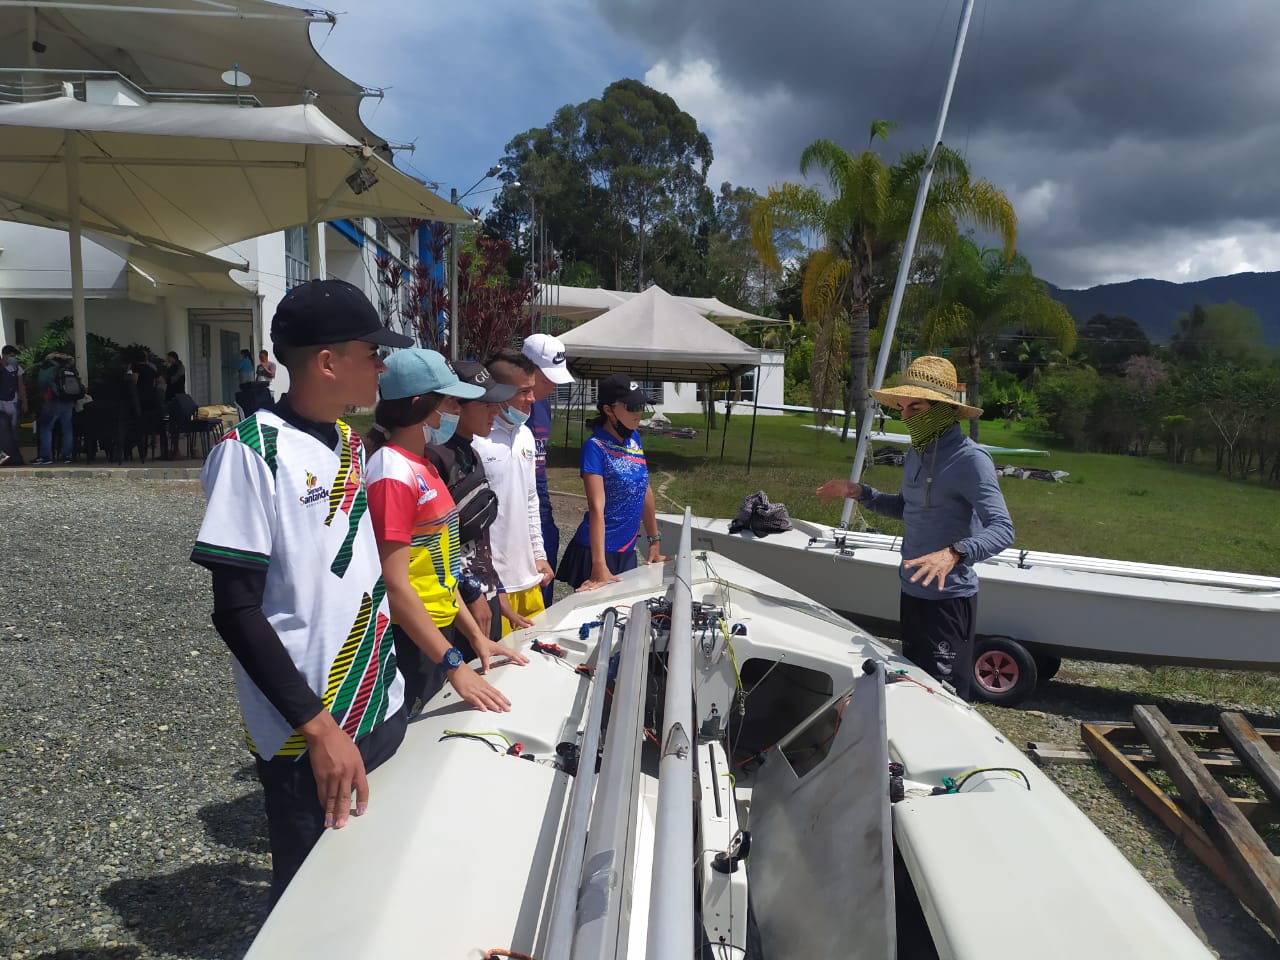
x: 723, y: 391
x: 297, y: 268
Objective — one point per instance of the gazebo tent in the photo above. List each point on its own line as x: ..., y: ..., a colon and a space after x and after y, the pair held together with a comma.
x: 586, y: 303
x: 654, y: 336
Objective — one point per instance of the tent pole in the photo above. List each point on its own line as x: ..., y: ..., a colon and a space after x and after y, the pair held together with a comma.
x: 315, y: 263
x: 79, y: 333
x: 755, y: 410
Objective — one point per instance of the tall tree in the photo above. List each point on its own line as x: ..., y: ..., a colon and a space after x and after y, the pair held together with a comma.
x: 863, y: 220
x: 985, y: 294
x: 609, y: 178
x: 1222, y: 330
x: 1106, y: 342
x: 651, y: 156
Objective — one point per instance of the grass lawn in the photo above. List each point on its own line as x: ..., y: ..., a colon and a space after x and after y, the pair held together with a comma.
x: 1126, y: 508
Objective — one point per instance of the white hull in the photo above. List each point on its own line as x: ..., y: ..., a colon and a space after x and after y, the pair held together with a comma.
x: 1054, y: 604
x: 463, y: 846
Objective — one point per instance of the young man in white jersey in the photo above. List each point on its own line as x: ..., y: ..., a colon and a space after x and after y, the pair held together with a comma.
x: 509, y: 455
x: 297, y: 584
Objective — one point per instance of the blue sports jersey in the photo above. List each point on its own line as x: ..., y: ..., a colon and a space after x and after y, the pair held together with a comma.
x: 539, y: 424
x: 626, y: 481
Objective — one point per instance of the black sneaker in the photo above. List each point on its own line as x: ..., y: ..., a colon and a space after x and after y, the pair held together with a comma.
x: 41, y: 462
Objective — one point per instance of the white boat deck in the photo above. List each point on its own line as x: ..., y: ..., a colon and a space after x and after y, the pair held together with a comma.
x: 461, y: 845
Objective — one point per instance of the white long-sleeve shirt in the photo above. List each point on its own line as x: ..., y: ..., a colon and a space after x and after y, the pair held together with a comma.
x: 509, y: 458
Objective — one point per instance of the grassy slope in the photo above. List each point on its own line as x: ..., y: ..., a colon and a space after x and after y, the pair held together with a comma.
x: 1126, y: 508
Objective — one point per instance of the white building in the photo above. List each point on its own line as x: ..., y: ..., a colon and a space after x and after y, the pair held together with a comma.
x: 207, y: 329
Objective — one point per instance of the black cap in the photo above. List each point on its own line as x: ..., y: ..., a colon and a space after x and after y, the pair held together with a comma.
x: 476, y: 374
x: 619, y: 388
x: 329, y: 311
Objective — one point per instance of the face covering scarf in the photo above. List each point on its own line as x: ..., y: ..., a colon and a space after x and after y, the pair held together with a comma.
x: 441, y: 434
x: 925, y: 428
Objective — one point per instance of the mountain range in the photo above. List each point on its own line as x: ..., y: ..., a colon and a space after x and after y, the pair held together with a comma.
x: 1156, y: 304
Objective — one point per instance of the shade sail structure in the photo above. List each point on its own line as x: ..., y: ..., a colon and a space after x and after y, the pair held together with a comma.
x: 656, y: 336
x: 195, y: 176
x: 186, y: 46
x: 150, y: 267
x: 587, y: 303
x: 191, y: 177
x: 719, y: 311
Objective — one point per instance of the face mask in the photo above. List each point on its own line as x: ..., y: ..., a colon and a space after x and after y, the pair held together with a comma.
x: 442, y: 433
x: 514, y: 417
x: 924, y: 428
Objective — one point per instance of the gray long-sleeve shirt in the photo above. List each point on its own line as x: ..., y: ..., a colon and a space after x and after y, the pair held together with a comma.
x: 950, y: 497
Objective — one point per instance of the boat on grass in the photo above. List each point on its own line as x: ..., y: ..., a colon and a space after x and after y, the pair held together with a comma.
x: 701, y: 762
x: 1034, y: 608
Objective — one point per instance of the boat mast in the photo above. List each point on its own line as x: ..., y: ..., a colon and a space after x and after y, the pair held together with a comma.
x: 671, y: 915
x: 908, y: 251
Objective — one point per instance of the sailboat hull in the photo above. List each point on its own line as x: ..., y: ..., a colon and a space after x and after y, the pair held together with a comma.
x: 464, y: 845
x: 1094, y: 610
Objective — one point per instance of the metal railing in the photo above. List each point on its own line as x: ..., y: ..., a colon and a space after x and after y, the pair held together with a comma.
x: 27, y: 85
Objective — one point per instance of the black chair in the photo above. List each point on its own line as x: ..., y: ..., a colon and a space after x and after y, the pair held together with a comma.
x: 183, y: 422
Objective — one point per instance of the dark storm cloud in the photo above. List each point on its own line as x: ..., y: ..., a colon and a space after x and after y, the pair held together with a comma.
x: 1134, y: 119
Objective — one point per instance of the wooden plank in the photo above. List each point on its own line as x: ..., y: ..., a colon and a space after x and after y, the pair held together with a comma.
x: 1254, y: 751
x: 1168, y: 812
x: 1207, y: 738
x: 1231, y: 833
x: 1043, y: 753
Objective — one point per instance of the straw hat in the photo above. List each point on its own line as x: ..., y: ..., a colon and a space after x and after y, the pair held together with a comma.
x: 929, y: 378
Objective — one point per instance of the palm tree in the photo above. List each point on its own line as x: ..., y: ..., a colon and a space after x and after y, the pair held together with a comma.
x: 863, y: 222
x: 984, y: 294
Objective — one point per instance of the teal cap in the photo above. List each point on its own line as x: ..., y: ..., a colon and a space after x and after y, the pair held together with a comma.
x: 415, y: 372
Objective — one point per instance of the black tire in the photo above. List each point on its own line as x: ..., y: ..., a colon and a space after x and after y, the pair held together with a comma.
x: 1047, y: 667
x: 1004, y: 671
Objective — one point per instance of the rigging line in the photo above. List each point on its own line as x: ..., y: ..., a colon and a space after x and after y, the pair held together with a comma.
x: 926, y: 54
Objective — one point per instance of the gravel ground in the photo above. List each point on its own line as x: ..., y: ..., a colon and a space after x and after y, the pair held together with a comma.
x: 135, y: 829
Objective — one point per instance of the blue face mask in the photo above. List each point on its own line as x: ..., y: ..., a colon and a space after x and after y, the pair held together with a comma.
x: 442, y: 433
x: 514, y: 417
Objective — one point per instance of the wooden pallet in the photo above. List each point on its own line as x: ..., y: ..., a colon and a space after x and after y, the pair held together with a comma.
x: 1217, y: 828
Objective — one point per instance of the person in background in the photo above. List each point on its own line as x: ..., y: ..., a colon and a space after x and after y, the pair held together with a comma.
x: 953, y: 513
x: 244, y: 369
x: 619, y: 498
x: 55, y: 410
x: 265, y: 372
x: 298, y: 590
x: 548, y: 355
x: 416, y: 524
x: 13, y: 387
x: 456, y: 460
x: 508, y: 454
x: 175, y: 377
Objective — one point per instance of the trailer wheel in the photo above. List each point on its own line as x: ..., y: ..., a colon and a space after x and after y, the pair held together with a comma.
x: 1047, y: 667
x: 1004, y: 672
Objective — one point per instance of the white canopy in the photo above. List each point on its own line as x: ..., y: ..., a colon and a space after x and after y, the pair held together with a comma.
x: 656, y: 336
x: 185, y: 177
x: 585, y: 303
x: 195, y: 176
x: 185, y: 46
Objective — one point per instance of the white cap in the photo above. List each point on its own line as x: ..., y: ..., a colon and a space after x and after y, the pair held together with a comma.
x: 548, y: 353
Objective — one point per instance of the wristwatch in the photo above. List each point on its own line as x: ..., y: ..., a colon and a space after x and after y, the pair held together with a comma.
x: 960, y: 556
x: 452, y: 660
x: 656, y: 539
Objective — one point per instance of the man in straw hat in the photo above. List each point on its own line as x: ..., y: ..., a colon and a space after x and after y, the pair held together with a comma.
x: 954, y: 514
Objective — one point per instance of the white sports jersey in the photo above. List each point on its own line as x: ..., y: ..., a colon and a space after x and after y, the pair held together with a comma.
x: 509, y: 456
x: 279, y: 500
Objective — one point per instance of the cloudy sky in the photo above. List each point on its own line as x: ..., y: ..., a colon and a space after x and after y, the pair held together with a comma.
x: 1136, y: 139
